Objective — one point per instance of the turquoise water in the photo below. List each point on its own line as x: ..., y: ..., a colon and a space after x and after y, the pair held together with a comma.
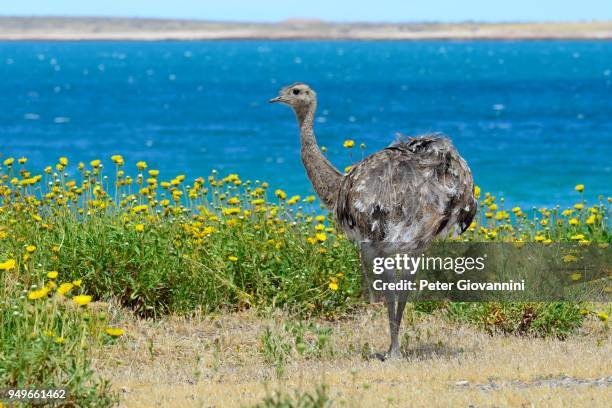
x: 532, y: 118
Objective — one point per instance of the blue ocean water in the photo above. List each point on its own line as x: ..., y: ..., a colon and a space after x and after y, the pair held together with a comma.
x: 532, y: 118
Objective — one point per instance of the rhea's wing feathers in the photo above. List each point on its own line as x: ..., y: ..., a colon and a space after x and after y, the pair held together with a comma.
x: 408, y: 192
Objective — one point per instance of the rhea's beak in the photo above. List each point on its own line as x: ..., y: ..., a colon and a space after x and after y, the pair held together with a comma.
x: 277, y: 99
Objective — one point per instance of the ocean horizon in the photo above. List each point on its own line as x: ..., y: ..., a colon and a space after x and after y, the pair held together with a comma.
x: 532, y: 118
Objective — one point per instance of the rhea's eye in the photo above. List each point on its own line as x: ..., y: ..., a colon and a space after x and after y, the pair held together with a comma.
x: 296, y: 91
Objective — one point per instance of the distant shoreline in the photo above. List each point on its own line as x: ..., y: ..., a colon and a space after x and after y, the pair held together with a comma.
x: 127, y: 29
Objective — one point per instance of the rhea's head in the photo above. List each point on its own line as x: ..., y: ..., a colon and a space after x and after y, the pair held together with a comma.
x: 299, y: 96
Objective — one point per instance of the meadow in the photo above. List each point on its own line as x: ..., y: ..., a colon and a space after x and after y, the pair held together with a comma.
x: 111, y: 267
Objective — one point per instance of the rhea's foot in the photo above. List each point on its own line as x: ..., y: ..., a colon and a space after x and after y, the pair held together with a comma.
x: 392, y: 354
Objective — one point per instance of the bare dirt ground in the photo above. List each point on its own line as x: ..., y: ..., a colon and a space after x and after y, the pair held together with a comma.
x: 221, y: 361
x: 98, y: 28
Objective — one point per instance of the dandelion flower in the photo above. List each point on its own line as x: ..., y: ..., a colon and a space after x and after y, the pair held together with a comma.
x: 579, y: 188
x: 7, y: 265
x: 321, y: 237
x: 333, y: 286
x: 575, y: 276
x: 63, y: 161
x: 602, y: 316
x: 65, y: 288
x: 280, y: 194
x: 81, y: 300
x: 117, y: 159
x: 579, y: 206
x: 569, y: 258
x: 141, y: 165
x: 114, y: 331
x: 476, y: 192
x: 139, y: 227
x: 584, y: 312
x: 38, y: 294
x: 349, y: 144
x: 77, y: 282
x: 59, y: 340
x: 233, y: 258
x: 30, y: 248
x: 574, y: 221
x: 95, y: 163
x: 52, y: 275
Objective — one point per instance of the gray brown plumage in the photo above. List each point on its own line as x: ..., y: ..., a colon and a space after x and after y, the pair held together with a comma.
x: 407, y: 194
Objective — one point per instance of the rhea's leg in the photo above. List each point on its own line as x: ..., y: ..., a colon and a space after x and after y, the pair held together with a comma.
x: 366, y: 265
x: 390, y: 300
x: 402, y: 296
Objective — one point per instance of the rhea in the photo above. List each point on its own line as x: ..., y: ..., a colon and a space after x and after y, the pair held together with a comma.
x: 400, y: 197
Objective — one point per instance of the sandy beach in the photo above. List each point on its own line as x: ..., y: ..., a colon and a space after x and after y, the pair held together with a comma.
x: 98, y: 28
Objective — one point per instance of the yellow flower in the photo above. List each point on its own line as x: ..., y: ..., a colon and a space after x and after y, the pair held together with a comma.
x: 141, y: 165
x: 320, y: 218
x: 233, y: 258
x: 319, y: 227
x: 539, y: 238
x: 22, y: 160
x: 81, y: 300
x: 476, y: 192
x: 77, y: 282
x: 30, y: 248
x: 493, y: 207
x: 584, y: 312
x: 333, y: 286
x: 310, y: 199
x: 348, y: 144
x: 7, y: 265
x: 114, y: 331
x: 321, y: 237
x: 63, y: 161
x: 575, y: 276
x: 579, y: 188
x: 139, y: 227
x: 567, y: 213
x: 52, y: 275
x: 347, y: 169
x: 293, y: 200
x: 258, y: 201
x: 59, y: 340
x: 117, y: 159
x: 9, y: 161
x: 280, y: 194
x: 38, y: 294
x: 577, y: 237
x: 95, y: 163
x: 233, y: 200
x: 591, y: 220
x: 569, y: 258
x: 574, y: 221
x: 579, y: 206
x: 65, y: 288
x: 602, y: 316
x: 153, y: 173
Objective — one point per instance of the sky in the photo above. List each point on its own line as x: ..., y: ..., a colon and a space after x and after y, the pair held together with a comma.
x: 329, y: 10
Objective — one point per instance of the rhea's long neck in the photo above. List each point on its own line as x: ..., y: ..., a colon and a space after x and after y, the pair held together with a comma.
x: 325, y: 178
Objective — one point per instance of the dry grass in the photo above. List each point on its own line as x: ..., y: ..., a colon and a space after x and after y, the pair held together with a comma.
x: 217, y: 361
